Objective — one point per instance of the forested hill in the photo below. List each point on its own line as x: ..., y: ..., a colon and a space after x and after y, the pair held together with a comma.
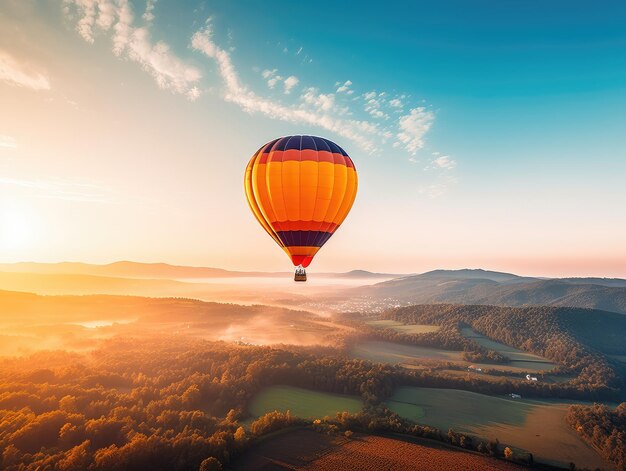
x: 502, y: 289
x: 581, y: 339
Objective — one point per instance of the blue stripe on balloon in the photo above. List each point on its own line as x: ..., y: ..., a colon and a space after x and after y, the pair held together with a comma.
x: 302, y: 238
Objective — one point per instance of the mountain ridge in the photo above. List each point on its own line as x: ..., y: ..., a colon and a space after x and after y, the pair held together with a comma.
x: 130, y: 269
x: 459, y: 287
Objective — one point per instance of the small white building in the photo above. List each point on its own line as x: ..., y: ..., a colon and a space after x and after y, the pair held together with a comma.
x: 515, y: 396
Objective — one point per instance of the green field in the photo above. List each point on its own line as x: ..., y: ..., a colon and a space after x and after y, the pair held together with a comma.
x: 532, y: 425
x: 302, y: 403
x: 397, y: 354
x: 403, y: 328
x: 547, y: 378
x: 519, y: 359
x: 506, y: 350
x: 407, y: 355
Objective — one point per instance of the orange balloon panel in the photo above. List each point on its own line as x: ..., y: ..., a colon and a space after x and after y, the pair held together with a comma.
x: 300, y: 189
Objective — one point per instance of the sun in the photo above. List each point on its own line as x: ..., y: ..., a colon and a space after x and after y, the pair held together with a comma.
x: 16, y: 227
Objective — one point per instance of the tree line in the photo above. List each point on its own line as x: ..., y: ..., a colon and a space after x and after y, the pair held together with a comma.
x: 603, y: 428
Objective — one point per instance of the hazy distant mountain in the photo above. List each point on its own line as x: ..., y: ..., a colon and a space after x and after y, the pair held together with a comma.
x: 360, y: 274
x: 53, y: 283
x: 485, y: 287
x: 615, y: 282
x: 125, y: 269
x: 467, y: 286
x: 121, y: 269
x: 475, y: 274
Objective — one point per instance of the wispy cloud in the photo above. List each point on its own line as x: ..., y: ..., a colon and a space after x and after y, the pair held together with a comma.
x: 373, y: 120
x: 148, y: 15
x: 135, y: 42
x: 444, y: 162
x: 289, y: 83
x: 7, y: 142
x: 318, y: 114
x: 320, y: 101
x: 413, y: 126
x: 169, y: 72
x: 345, y: 87
x: 64, y: 189
x: 272, y: 78
x: 20, y: 74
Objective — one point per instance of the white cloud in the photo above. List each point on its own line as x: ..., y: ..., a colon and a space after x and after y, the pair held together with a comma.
x: 289, y: 83
x: 413, y: 126
x: 133, y: 43
x: 147, y: 14
x: 122, y: 28
x: 345, y: 87
x: 7, y: 142
x: 20, y: 74
x: 444, y: 162
x: 369, y: 95
x: 169, y: 72
x: 106, y: 14
x: 321, y: 101
x: 333, y: 111
x: 95, y: 13
x: 86, y: 23
x: 273, y: 79
x: 324, y: 113
x: 268, y: 73
x: 374, y: 102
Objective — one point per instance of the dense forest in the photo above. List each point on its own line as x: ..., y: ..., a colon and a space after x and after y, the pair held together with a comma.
x: 172, y: 403
x: 604, y: 428
x: 154, y: 403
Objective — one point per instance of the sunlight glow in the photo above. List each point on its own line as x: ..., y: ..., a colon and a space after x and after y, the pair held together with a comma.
x: 16, y: 227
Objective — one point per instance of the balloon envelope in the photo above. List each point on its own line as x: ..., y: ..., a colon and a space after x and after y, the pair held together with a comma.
x: 300, y: 189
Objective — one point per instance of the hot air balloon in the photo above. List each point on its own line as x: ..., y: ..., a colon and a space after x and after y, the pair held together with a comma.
x: 300, y: 189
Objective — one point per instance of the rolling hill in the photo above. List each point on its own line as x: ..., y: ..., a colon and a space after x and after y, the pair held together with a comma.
x: 503, y: 289
x: 126, y: 269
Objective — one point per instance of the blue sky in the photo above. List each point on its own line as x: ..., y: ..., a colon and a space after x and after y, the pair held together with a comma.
x: 485, y: 133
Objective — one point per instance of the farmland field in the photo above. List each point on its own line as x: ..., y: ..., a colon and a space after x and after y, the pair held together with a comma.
x: 395, y: 353
x: 402, y: 354
x: 550, y: 379
x: 302, y: 403
x: 535, y: 426
x: 305, y: 449
x: 519, y: 358
x: 403, y: 328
